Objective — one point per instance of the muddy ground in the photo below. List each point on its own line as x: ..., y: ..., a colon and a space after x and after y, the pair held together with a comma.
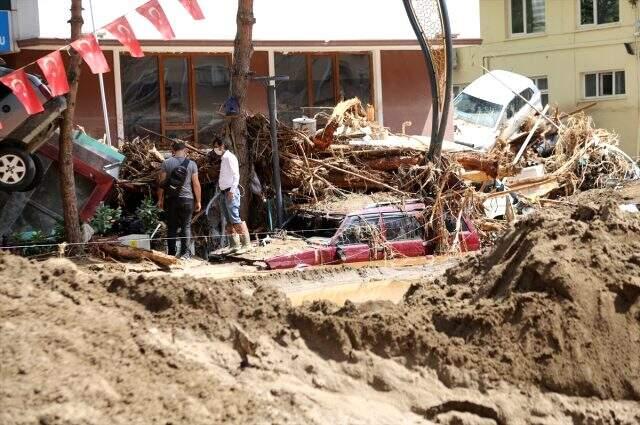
x: 542, y: 329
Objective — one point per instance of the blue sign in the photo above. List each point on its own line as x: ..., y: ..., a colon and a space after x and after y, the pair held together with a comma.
x: 6, y: 43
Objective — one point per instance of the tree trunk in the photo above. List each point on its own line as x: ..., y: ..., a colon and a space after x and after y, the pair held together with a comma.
x: 65, y: 157
x: 243, y: 50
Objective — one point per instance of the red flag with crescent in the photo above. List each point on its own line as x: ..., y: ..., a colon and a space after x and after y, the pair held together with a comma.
x: 53, y: 69
x: 155, y: 14
x: 121, y: 29
x: 21, y: 87
x: 89, y: 49
x: 193, y: 8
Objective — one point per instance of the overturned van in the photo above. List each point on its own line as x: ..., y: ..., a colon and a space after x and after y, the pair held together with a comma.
x: 493, y: 106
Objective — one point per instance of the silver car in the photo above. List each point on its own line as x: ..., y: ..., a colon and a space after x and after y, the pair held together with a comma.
x: 22, y: 134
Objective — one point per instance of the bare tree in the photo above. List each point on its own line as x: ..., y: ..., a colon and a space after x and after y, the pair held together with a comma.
x: 243, y: 50
x: 65, y: 157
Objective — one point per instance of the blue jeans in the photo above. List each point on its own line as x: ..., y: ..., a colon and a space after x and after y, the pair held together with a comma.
x: 231, y: 207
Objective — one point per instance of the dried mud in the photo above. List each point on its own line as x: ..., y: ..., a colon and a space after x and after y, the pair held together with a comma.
x: 545, y: 328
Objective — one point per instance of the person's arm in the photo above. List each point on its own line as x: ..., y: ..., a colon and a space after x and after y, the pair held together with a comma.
x: 160, y: 192
x: 235, y: 168
x: 197, y: 192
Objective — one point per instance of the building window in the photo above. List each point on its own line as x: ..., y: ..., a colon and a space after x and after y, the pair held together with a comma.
x: 527, y: 16
x: 598, y: 12
x: 604, y: 84
x: 543, y: 85
x: 320, y: 80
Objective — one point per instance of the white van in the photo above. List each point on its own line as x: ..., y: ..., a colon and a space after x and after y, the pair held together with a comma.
x: 489, y: 108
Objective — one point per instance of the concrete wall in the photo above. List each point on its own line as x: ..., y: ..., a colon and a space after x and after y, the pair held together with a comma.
x: 563, y: 53
x: 405, y: 91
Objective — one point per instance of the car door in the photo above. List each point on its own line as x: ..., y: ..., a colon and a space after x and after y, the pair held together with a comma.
x: 467, y: 237
x: 12, y: 113
x: 404, y: 235
x: 360, y: 239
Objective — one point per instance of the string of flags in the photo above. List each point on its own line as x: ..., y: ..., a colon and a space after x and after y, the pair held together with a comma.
x: 89, y: 49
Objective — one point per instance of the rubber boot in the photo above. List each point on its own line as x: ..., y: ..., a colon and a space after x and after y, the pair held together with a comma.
x: 245, y: 238
x: 234, y: 244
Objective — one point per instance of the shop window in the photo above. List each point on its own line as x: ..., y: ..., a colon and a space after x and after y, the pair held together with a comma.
x: 186, y: 105
x: 527, y: 16
x: 604, y: 84
x: 321, y: 80
x: 211, y: 91
x: 543, y: 85
x: 599, y: 12
x: 140, y: 95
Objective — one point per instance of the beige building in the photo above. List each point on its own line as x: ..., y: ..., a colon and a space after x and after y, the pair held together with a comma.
x: 577, y: 51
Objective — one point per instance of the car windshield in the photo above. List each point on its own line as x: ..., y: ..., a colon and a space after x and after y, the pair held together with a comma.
x: 476, y: 111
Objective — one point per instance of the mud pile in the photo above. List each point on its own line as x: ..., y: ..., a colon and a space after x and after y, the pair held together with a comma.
x: 556, y: 304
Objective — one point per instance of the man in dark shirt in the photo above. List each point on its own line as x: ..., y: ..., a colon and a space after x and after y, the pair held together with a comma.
x: 179, y: 207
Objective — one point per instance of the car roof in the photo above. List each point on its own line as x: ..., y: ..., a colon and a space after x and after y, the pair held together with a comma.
x: 489, y: 88
x: 409, y: 206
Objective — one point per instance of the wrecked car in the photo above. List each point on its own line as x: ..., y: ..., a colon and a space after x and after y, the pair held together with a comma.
x: 23, y: 134
x: 378, y: 232
x: 493, y: 107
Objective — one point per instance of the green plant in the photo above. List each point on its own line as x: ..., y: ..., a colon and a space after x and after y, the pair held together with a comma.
x: 148, y: 213
x: 104, y: 219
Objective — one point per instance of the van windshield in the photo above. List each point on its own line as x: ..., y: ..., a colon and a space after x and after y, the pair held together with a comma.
x: 476, y: 111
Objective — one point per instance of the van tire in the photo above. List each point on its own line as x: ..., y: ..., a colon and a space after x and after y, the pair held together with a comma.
x: 17, y: 169
x: 37, y: 179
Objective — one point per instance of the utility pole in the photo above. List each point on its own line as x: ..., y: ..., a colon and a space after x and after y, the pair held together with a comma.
x: 275, y: 150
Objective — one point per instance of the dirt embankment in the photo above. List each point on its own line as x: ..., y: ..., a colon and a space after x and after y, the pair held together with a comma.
x: 556, y: 304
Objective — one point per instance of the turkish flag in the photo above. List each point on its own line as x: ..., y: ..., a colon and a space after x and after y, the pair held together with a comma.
x: 193, y: 8
x: 154, y: 13
x: 121, y: 29
x: 18, y: 82
x: 53, y: 69
x: 89, y: 49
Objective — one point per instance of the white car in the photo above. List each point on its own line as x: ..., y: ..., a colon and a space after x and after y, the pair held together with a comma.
x: 490, y: 107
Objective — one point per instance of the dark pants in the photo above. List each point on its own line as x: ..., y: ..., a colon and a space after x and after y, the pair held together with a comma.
x: 179, y: 212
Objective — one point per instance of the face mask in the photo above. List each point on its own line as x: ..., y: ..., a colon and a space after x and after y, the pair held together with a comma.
x: 218, y: 151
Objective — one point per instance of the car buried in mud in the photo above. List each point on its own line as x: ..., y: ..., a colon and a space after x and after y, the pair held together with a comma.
x: 377, y: 232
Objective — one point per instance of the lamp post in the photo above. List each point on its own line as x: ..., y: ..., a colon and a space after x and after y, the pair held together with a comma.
x: 270, y: 82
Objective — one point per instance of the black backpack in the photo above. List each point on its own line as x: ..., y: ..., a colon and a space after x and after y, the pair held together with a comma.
x: 178, y: 177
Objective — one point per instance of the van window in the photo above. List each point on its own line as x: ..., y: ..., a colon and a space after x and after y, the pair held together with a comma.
x: 402, y: 227
x: 476, y: 111
x: 360, y: 229
x: 451, y: 222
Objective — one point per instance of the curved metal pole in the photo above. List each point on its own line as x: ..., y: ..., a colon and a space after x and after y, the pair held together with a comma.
x: 435, y: 145
x: 448, y: 46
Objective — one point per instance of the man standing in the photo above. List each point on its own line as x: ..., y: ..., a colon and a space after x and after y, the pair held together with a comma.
x: 229, y: 180
x: 178, y: 185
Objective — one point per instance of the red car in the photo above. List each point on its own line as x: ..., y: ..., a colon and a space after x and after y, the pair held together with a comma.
x: 375, y: 233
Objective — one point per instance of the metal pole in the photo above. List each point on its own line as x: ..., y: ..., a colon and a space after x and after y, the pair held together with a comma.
x: 448, y: 90
x: 102, y: 92
x: 275, y: 155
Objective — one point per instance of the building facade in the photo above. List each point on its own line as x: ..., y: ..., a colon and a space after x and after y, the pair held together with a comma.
x: 577, y: 51
x: 179, y: 87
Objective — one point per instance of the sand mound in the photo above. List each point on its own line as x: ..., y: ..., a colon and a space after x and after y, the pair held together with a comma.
x: 556, y: 304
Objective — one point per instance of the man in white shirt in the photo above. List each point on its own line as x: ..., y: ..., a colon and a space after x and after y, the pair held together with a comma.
x: 229, y: 182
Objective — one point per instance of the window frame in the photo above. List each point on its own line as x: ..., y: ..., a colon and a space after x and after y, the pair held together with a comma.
x: 545, y: 91
x: 595, y: 24
x: 598, y: 74
x: 525, y: 33
x: 335, y: 57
